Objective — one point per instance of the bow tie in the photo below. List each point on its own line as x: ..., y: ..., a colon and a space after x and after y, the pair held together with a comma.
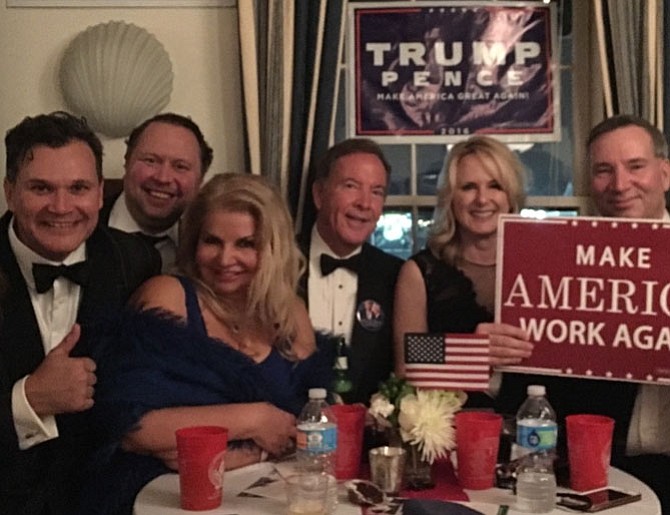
x: 45, y: 275
x: 151, y: 240
x: 330, y: 264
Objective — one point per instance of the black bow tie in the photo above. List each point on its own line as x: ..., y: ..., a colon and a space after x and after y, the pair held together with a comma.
x: 329, y: 263
x: 151, y: 240
x: 45, y: 275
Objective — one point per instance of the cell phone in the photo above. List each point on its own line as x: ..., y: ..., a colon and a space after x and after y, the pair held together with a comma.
x: 597, y: 500
x: 610, y: 497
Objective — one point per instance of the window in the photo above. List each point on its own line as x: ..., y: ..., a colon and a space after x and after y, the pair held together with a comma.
x: 552, y: 186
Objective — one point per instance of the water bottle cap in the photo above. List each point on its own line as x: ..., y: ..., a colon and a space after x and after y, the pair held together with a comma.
x: 536, y: 390
x: 317, y: 393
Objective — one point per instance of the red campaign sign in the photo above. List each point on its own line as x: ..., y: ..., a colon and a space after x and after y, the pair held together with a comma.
x: 594, y: 294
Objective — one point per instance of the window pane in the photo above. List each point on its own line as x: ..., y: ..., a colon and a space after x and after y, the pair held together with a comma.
x: 400, y: 157
x: 549, y: 165
x: 424, y: 224
x: 547, y: 212
x: 394, y: 232
x: 429, y: 161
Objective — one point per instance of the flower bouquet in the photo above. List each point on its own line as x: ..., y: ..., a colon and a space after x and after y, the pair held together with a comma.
x: 424, y: 421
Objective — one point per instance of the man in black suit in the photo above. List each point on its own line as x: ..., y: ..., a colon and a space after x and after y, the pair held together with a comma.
x: 629, y: 174
x: 347, y: 277
x: 166, y: 159
x: 62, y: 273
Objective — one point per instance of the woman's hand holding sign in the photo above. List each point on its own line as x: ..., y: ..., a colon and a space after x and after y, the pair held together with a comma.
x: 508, y: 344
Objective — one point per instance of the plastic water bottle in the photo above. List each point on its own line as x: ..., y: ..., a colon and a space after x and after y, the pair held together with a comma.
x: 536, y: 428
x: 536, y: 434
x: 536, y: 483
x: 317, y: 435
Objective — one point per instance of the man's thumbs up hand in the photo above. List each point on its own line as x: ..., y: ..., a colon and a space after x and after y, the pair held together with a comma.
x: 62, y: 384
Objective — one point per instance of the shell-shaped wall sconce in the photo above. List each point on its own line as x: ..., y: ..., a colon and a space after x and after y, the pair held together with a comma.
x: 117, y: 75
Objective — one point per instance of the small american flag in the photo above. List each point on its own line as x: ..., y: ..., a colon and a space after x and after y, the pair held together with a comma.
x: 447, y: 361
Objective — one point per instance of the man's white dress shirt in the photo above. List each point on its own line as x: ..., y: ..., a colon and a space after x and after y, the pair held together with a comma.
x: 649, y: 430
x: 121, y: 219
x: 332, y: 299
x: 56, y: 313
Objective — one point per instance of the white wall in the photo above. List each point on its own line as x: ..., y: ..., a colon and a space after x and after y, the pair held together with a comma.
x: 202, y: 44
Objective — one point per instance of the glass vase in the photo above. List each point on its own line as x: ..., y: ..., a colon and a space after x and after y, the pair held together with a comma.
x: 418, y: 472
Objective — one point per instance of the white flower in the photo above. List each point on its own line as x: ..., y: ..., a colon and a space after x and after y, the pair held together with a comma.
x: 381, y: 409
x: 427, y: 420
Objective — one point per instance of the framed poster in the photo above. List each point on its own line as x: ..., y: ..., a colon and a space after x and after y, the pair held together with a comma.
x: 433, y: 72
x: 121, y: 3
x: 593, y: 293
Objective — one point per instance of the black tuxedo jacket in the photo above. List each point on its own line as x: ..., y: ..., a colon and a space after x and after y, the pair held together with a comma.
x: 39, y: 480
x: 106, y: 210
x: 371, y: 351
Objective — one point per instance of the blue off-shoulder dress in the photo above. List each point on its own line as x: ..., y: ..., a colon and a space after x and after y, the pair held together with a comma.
x: 149, y: 360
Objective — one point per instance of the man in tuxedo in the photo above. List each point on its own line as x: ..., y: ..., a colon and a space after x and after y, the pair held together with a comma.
x: 629, y: 175
x: 347, y: 277
x: 166, y: 159
x: 61, y: 274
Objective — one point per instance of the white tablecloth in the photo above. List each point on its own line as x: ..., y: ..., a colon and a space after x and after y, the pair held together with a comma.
x: 161, y: 496
x: 488, y: 501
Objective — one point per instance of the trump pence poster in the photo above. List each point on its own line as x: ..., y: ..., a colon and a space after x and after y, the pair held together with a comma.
x: 433, y: 72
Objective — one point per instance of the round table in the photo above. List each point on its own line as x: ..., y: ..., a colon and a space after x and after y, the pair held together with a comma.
x: 484, y: 500
x: 161, y: 496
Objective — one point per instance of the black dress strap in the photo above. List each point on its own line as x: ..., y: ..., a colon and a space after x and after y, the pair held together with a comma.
x: 194, y: 315
x: 450, y: 297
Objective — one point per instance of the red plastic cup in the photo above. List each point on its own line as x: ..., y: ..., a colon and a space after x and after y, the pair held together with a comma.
x: 200, y: 454
x: 589, y: 450
x: 477, y: 440
x: 350, y: 424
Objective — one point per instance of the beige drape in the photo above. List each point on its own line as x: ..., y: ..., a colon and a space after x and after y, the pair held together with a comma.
x: 266, y: 45
x: 631, y: 69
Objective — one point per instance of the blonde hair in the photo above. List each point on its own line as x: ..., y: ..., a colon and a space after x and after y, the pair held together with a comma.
x: 272, y: 292
x: 501, y: 162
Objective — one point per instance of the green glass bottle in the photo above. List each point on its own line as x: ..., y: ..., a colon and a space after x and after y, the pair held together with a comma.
x: 342, y: 387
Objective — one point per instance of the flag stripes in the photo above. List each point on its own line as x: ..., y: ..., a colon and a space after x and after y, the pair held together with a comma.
x: 447, y: 361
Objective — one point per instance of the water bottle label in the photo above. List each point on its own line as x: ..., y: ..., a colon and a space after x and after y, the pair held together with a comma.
x: 317, y: 440
x: 539, y: 438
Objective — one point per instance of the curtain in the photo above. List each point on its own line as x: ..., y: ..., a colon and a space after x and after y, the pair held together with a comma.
x: 291, y: 50
x: 266, y: 45
x: 630, y: 51
x: 666, y: 63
